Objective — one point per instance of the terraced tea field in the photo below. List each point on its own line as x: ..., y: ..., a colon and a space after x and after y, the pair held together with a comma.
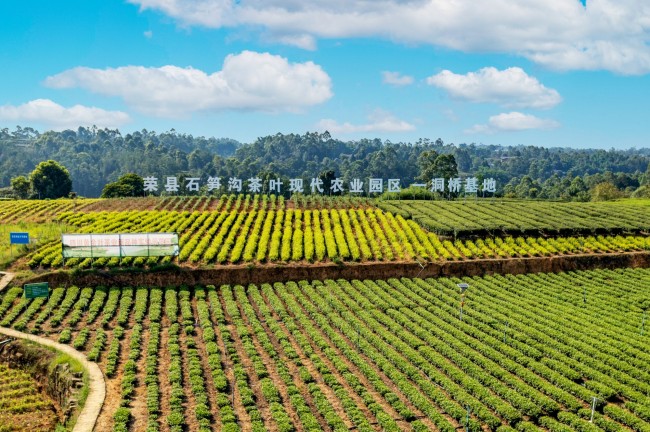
x: 496, y: 217
x: 260, y: 229
x: 530, y: 353
x: 15, y: 211
x: 22, y: 406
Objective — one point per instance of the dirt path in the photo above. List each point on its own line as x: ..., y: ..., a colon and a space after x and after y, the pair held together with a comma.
x: 5, y: 279
x: 88, y: 415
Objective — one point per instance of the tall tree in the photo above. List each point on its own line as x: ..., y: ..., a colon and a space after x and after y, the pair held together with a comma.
x: 426, y: 163
x: 445, y: 166
x: 50, y: 179
x: 129, y: 185
x: 605, y: 191
x: 20, y: 186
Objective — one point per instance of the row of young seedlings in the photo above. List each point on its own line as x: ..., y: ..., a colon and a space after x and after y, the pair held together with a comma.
x: 608, y: 372
x: 151, y: 380
x: 408, y: 383
x: 122, y: 416
x: 227, y: 202
x: 248, y: 398
x: 176, y: 417
x: 605, y: 377
x: 113, y: 355
x: 194, y: 368
x: 183, y: 203
x: 411, y: 380
x: 15, y: 311
x: 357, y: 417
x: 330, y: 338
x: 108, y: 311
x: 34, y: 210
x: 509, y: 356
x: 227, y: 418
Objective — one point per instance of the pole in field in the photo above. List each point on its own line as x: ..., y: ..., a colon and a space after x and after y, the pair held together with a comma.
x: 469, y: 410
x: 593, y: 408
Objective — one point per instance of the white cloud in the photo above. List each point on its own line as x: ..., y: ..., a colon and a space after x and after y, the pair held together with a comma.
x: 511, y: 88
x: 562, y: 34
x: 378, y: 121
x: 396, y: 79
x: 512, y: 122
x: 55, y: 116
x: 247, y: 81
x: 148, y: 34
x: 515, y: 121
x: 304, y: 41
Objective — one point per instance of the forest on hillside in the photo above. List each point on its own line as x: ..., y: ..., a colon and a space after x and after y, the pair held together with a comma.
x: 96, y: 157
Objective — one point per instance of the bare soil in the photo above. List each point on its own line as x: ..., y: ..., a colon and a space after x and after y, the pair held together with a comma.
x: 35, y: 421
x: 262, y: 404
x: 273, y: 373
x: 164, y: 360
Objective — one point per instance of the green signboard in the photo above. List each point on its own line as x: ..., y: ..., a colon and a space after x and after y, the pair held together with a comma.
x: 33, y: 290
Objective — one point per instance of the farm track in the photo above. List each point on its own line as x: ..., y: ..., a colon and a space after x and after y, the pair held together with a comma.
x: 88, y: 417
x: 5, y: 279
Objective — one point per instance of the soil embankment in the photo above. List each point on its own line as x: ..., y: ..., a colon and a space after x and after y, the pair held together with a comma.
x: 247, y: 274
x: 88, y: 416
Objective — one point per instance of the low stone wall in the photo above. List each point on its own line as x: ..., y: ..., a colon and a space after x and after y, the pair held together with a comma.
x: 257, y: 274
x: 61, y: 384
x: 64, y: 386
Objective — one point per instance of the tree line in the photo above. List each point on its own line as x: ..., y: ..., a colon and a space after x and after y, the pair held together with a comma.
x: 97, y: 157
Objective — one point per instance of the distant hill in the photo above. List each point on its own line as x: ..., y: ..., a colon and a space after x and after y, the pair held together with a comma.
x: 95, y: 157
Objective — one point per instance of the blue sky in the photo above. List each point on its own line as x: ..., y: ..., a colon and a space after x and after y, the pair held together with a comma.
x: 534, y: 72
